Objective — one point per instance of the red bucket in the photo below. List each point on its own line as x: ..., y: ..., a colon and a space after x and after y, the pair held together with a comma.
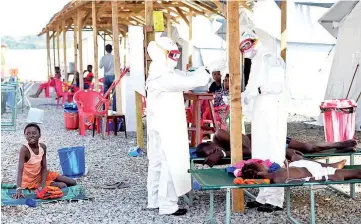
x: 71, y: 120
x: 339, y: 119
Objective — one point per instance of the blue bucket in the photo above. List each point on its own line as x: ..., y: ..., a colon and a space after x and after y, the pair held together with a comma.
x: 72, y: 161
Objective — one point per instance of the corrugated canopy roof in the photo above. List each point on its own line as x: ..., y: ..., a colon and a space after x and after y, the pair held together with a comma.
x: 130, y: 13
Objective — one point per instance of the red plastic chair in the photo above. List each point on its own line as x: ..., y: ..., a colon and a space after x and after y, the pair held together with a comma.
x: 219, y: 119
x: 101, y: 87
x: 88, y: 102
x: 64, y: 91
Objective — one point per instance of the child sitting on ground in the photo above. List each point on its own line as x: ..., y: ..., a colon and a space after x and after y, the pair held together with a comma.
x: 32, y: 170
x: 301, y: 170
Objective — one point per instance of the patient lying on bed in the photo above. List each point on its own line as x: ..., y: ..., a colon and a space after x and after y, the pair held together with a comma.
x: 302, y: 170
x: 220, y: 147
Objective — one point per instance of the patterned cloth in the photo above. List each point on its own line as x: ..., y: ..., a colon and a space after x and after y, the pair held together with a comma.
x: 218, y: 102
x: 49, y: 192
x: 237, y: 168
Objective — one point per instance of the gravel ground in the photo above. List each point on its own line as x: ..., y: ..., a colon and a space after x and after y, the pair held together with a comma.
x: 107, y: 161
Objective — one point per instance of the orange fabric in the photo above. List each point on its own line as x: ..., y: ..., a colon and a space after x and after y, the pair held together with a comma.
x: 31, y: 178
x: 49, y: 192
x: 241, y: 181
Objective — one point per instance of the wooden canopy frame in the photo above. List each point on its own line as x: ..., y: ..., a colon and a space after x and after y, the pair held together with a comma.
x: 113, y: 18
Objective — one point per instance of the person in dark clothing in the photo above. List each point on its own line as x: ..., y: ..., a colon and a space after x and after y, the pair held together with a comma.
x: 247, y: 70
x: 217, y: 84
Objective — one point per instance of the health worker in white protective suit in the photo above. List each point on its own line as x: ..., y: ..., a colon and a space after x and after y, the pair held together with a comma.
x: 168, y: 147
x: 266, y: 94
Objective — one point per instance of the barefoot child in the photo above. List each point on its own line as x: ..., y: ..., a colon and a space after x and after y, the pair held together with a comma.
x: 32, y: 170
x: 302, y: 170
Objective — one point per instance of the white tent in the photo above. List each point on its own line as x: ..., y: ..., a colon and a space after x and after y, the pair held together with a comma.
x: 343, y: 21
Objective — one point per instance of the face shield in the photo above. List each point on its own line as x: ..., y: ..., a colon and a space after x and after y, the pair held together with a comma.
x: 248, y: 41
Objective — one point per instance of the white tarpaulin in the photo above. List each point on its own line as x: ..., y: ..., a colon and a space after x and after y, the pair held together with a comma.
x: 343, y: 21
x: 136, y: 61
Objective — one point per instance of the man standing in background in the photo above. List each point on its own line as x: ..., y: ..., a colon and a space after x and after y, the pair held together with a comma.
x: 107, y: 61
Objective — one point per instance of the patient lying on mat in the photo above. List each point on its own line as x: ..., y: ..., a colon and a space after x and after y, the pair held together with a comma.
x: 301, y: 170
x: 220, y: 147
x: 32, y: 170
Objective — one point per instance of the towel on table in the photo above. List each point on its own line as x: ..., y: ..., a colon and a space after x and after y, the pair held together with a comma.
x: 241, y: 181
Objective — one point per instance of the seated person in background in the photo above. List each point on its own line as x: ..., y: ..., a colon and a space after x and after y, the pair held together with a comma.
x: 51, y: 83
x: 302, y: 170
x: 217, y: 84
x: 87, y: 79
x: 32, y: 169
x: 220, y: 147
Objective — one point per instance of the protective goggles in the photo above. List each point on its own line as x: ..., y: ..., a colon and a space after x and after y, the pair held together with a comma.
x: 174, y: 55
x: 247, y: 44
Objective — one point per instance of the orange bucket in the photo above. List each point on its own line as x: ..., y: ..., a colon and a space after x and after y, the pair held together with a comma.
x: 71, y: 120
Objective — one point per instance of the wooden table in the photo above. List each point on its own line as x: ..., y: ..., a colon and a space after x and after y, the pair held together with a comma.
x: 196, y: 128
x: 105, y: 120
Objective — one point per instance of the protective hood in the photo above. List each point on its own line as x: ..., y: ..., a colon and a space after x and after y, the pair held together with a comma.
x: 164, y: 54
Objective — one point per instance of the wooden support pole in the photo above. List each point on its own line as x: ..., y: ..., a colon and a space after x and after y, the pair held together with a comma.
x: 64, y: 51
x: 169, y: 25
x: 235, y: 74
x: 58, y: 47
x: 125, y: 50
x: 75, y: 32
x: 54, y: 58
x: 190, y: 46
x: 149, y: 36
x: 116, y: 55
x: 95, y: 44
x: 48, y: 54
x: 80, y: 45
x: 284, y: 29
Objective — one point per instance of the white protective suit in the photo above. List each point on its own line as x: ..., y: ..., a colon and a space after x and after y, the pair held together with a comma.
x: 269, y: 114
x: 168, y: 147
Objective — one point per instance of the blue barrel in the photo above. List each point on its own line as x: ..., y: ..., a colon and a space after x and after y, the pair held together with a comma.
x: 72, y: 161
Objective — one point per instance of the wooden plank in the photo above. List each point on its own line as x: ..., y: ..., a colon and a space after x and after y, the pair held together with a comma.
x: 169, y: 25
x: 75, y: 32
x: 87, y: 17
x: 190, y: 46
x: 54, y: 56
x: 182, y: 15
x: 193, y: 7
x: 125, y: 50
x: 80, y: 45
x: 149, y: 36
x: 64, y: 51
x: 58, y: 46
x: 95, y: 45
x: 284, y: 29
x: 116, y: 56
x: 235, y: 94
x: 48, y: 54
